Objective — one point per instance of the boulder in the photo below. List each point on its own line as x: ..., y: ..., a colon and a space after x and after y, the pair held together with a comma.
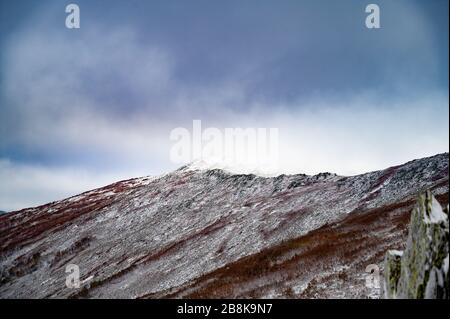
x: 421, y: 270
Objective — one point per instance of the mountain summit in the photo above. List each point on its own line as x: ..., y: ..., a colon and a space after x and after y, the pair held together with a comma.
x: 210, y: 233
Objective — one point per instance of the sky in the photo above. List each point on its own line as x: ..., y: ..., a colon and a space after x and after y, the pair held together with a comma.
x: 81, y: 108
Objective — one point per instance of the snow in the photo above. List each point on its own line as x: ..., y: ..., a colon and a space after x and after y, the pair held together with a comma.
x: 445, y: 265
x: 160, y: 233
x: 229, y: 167
x: 436, y: 215
x: 376, y: 189
x: 394, y: 252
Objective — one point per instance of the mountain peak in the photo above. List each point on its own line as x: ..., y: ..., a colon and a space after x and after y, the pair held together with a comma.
x: 227, y: 166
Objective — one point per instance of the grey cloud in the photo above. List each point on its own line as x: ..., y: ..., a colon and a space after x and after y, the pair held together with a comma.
x: 345, y: 99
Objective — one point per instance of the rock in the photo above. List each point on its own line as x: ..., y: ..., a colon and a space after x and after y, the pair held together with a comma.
x: 392, y: 272
x: 421, y: 271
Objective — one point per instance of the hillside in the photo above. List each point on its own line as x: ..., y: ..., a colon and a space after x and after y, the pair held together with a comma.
x: 209, y: 233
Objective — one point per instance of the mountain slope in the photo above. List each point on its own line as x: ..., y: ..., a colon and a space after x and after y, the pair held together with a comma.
x: 204, y: 233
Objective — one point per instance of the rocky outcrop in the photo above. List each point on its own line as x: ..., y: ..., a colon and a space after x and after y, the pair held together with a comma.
x: 421, y: 271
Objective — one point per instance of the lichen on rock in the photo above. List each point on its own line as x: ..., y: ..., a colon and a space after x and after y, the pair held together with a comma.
x: 392, y: 272
x: 421, y: 271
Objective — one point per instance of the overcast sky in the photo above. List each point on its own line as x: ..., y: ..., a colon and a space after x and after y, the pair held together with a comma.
x: 80, y: 108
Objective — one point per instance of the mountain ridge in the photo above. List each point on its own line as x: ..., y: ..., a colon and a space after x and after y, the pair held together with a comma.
x: 143, y: 231
x: 194, y: 167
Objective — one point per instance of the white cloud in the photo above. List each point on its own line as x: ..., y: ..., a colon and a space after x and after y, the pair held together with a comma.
x: 351, y: 136
x: 26, y: 185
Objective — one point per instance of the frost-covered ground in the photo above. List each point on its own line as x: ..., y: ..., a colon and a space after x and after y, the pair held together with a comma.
x: 209, y: 233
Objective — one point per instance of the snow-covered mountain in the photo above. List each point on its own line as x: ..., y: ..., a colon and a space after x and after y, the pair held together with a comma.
x: 200, y: 232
